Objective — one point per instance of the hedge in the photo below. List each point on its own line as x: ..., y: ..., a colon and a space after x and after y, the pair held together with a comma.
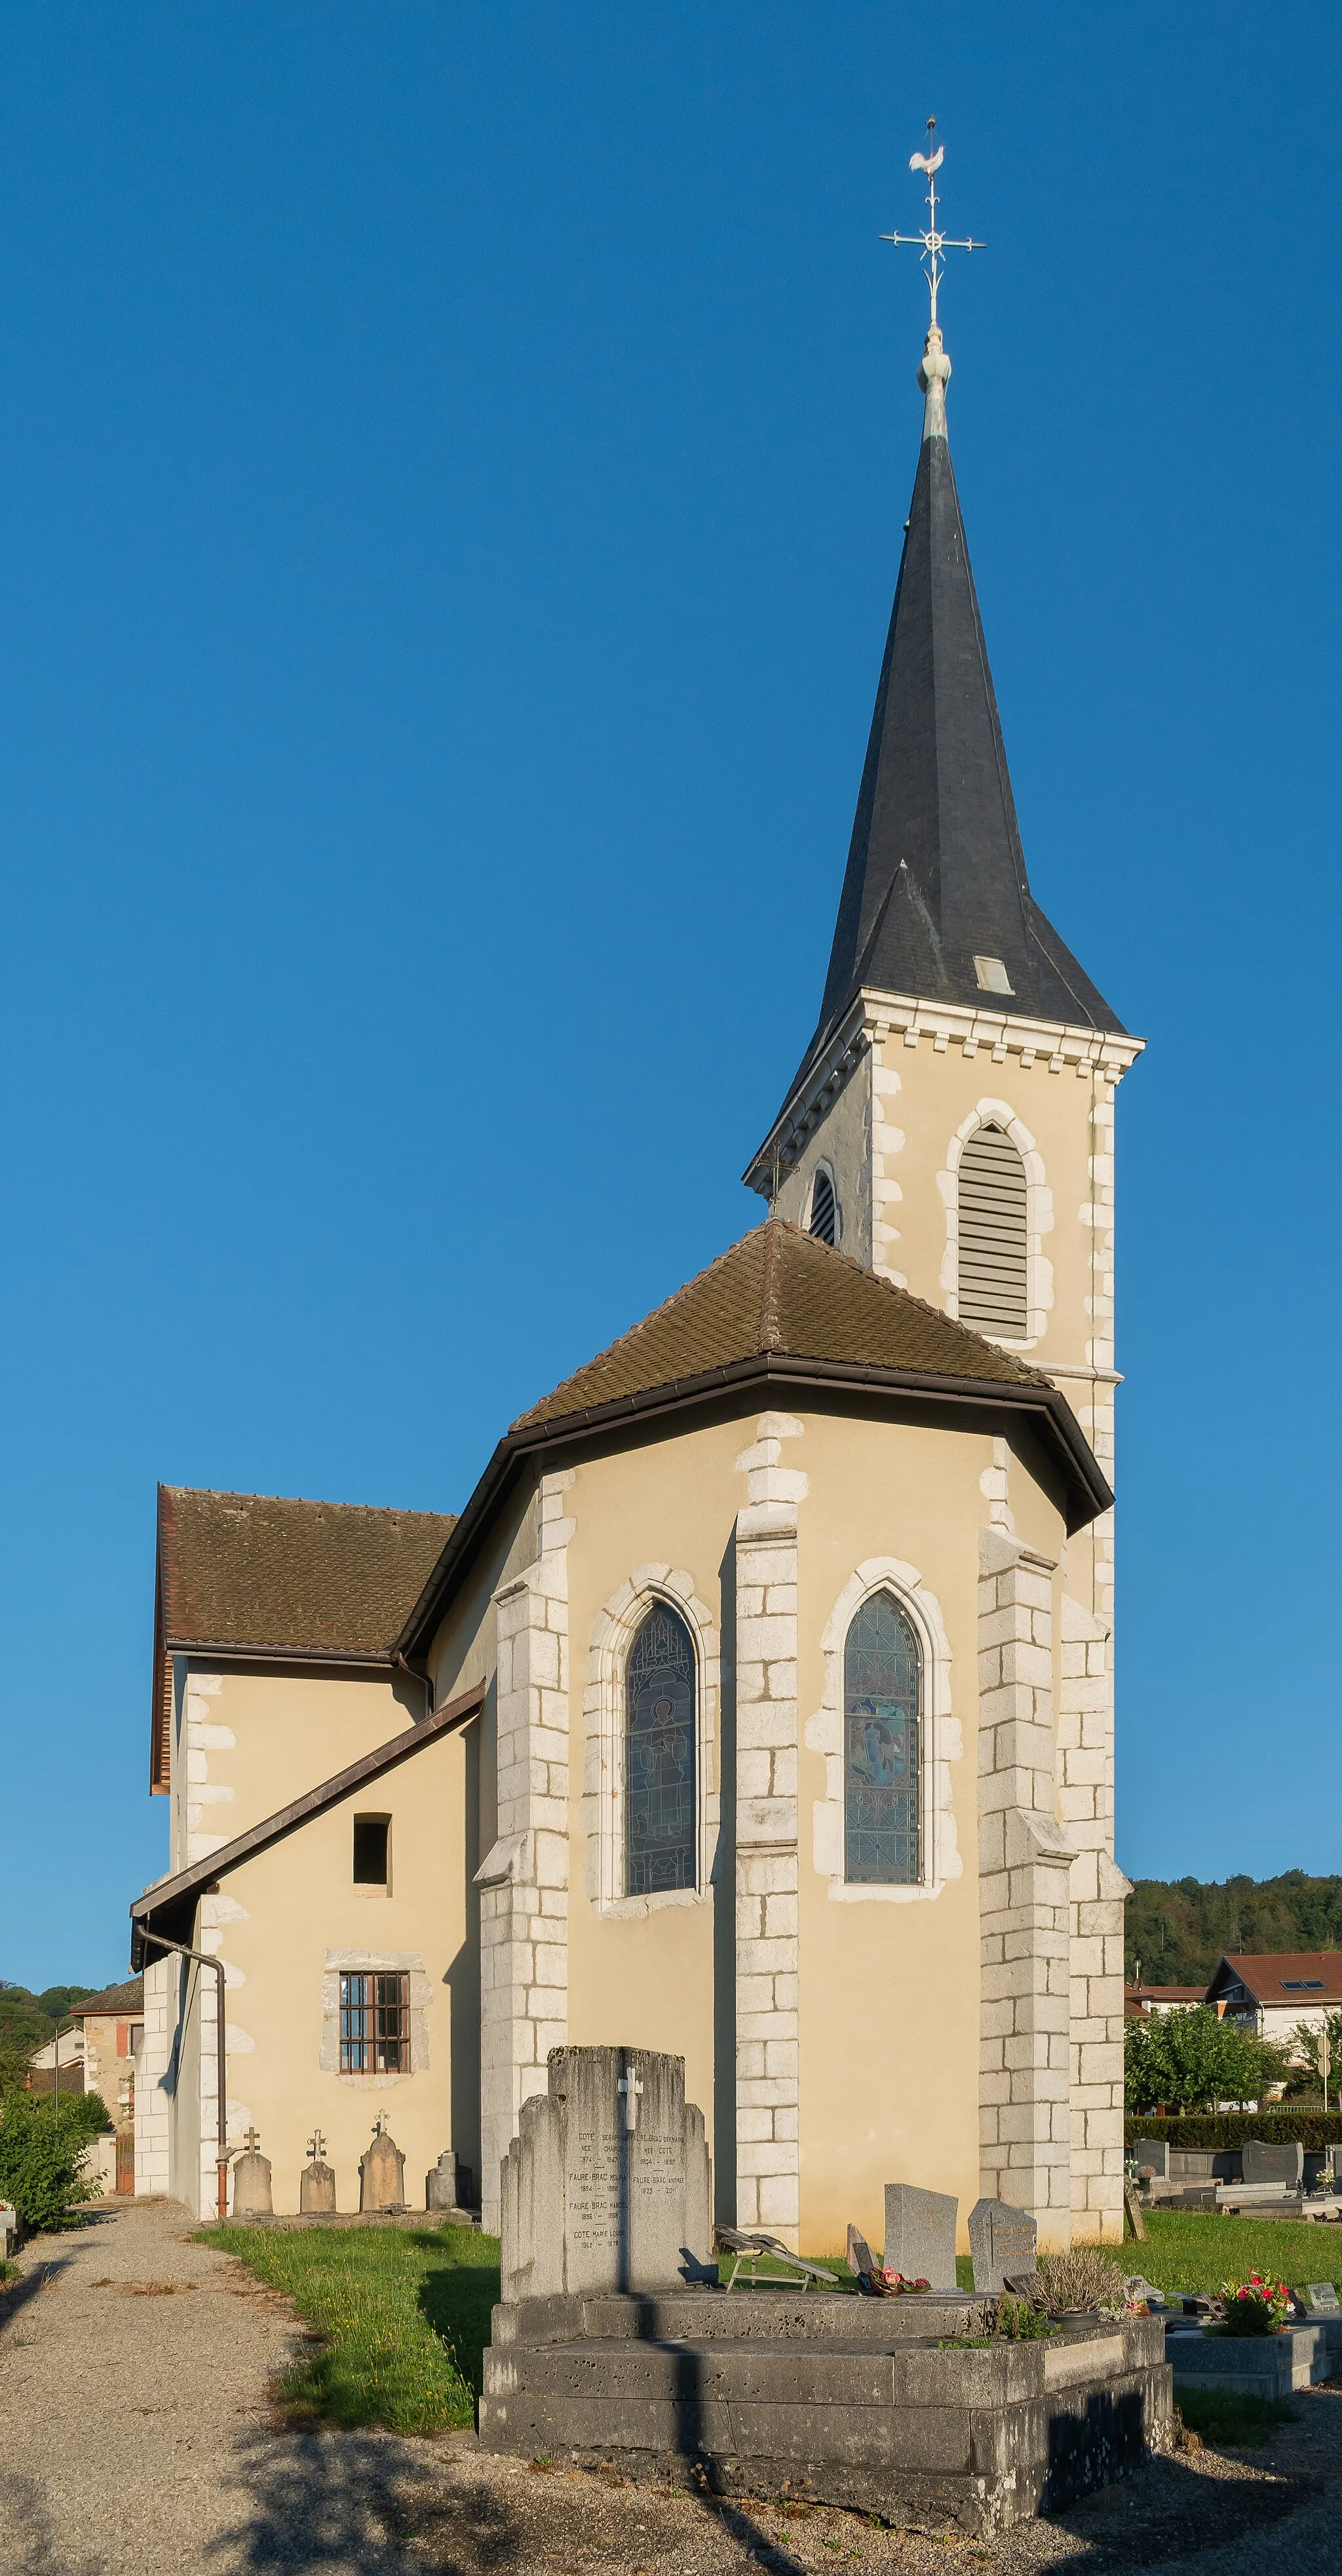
x: 1203, y: 2129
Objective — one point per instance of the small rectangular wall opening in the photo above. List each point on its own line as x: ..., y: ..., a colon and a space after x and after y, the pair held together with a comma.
x: 372, y: 1855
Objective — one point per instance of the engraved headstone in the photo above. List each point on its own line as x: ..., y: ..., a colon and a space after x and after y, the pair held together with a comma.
x: 382, y: 2171
x: 607, y: 2185
x: 920, y: 2234
x: 1001, y: 2240
x: 1323, y: 2298
x: 1154, y: 2154
x: 440, y: 2183
x: 251, y: 2181
x: 1284, y: 2164
x: 316, y: 2188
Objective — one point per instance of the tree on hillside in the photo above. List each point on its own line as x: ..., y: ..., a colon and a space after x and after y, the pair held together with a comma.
x: 1180, y: 1927
x: 1186, y: 2060
x: 1307, y: 2055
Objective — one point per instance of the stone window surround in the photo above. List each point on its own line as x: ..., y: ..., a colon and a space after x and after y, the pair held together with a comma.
x: 942, y: 1743
x: 367, y: 1963
x: 1038, y: 1221
x: 602, y: 1809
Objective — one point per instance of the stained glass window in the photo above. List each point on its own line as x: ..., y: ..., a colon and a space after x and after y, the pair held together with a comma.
x: 882, y: 1686
x: 659, y: 1756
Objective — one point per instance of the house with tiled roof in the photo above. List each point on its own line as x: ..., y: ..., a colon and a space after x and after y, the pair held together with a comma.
x: 758, y: 1704
x: 1274, y: 1992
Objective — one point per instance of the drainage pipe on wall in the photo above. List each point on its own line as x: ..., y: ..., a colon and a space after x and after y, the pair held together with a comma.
x: 217, y: 1966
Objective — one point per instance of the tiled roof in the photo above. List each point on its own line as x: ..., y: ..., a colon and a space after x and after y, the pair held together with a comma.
x: 256, y: 1570
x: 780, y: 1290
x: 1303, y: 1977
x: 115, y: 2003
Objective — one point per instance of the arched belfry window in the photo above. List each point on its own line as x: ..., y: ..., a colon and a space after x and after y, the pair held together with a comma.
x: 882, y: 1702
x: 824, y: 1214
x: 659, y: 1732
x: 992, y: 1278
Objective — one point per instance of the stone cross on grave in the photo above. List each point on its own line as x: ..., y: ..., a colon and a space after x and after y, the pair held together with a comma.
x: 316, y: 2146
x: 380, y: 2125
x: 252, y: 2141
x: 631, y: 2087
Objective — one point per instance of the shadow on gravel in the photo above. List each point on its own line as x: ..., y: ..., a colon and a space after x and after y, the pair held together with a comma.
x: 35, y: 2551
x: 15, y: 2299
x: 1171, y: 2511
x: 344, y: 2501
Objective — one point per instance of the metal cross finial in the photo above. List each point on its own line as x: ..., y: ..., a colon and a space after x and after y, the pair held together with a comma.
x: 630, y: 2085
x: 380, y: 2125
x: 316, y: 2146
x: 931, y: 242
x: 252, y: 2140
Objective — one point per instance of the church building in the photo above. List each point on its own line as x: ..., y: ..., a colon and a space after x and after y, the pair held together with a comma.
x: 758, y: 1705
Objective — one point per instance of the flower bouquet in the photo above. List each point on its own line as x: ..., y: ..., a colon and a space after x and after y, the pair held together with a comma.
x: 1256, y: 2306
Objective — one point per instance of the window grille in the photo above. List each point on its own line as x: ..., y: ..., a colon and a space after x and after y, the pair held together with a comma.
x: 992, y: 1234
x: 822, y: 1206
x: 659, y: 1760
x: 882, y: 1682
x: 374, y: 2023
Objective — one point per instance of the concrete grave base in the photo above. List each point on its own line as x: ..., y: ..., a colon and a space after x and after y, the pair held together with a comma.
x: 1256, y: 2365
x: 841, y: 2401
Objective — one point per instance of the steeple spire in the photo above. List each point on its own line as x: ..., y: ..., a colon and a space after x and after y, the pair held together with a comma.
x: 936, y: 902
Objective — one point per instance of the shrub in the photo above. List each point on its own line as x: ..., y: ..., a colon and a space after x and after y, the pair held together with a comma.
x: 1084, y: 2278
x: 1192, y: 2058
x: 1021, y: 2323
x: 1212, y: 2129
x: 42, y: 2148
x: 1256, y: 2306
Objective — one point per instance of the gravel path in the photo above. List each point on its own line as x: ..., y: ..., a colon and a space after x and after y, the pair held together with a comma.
x: 137, y: 2439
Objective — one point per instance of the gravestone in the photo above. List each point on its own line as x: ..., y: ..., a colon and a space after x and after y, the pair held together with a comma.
x: 1333, y: 2164
x: 1283, y: 2164
x: 920, y: 2234
x: 316, y: 2188
x: 1155, y: 2153
x: 1323, y: 2298
x: 1001, y: 2240
x: 440, y: 2183
x: 1137, y: 2289
x: 607, y: 2185
x: 382, y: 2171
x: 251, y: 2181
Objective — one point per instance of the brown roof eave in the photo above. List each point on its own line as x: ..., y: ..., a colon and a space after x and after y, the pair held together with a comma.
x: 1035, y: 1395
x: 229, y: 1649
x: 173, y: 1895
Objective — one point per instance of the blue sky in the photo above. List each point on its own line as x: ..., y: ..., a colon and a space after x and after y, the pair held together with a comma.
x: 452, y: 461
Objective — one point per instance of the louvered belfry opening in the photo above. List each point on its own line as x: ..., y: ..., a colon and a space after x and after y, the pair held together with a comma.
x: 992, y: 1234
x: 822, y: 1206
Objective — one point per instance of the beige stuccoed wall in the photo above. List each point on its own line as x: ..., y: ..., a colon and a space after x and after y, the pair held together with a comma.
x: 274, y: 1923
x: 889, y: 1990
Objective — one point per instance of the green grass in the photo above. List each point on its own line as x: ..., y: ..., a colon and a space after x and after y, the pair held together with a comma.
x: 1222, y: 2415
x: 1197, y: 2250
x: 401, y: 2313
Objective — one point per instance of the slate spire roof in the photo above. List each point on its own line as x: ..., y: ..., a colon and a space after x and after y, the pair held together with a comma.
x: 936, y: 874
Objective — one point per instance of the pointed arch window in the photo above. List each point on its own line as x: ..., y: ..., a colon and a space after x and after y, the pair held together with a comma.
x: 660, y: 1790
x: 824, y: 1212
x: 992, y: 1265
x: 882, y: 1700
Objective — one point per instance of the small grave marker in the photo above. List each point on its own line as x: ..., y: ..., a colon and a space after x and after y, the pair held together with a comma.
x: 1001, y: 2240
x: 251, y: 2180
x: 440, y: 2183
x: 1283, y: 2164
x: 1323, y: 2298
x: 1154, y: 2153
x: 920, y: 2234
x: 316, y: 2186
x: 382, y: 2171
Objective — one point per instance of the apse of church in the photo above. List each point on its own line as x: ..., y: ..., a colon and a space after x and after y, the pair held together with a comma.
x: 758, y: 1707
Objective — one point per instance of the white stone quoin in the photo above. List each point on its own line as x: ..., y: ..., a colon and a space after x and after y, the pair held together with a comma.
x: 768, y: 2186
x: 523, y: 1880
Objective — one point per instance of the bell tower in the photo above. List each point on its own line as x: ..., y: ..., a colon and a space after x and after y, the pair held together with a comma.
x: 951, y: 1125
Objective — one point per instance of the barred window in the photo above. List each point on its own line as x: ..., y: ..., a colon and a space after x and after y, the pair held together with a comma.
x: 992, y: 1270
x: 374, y: 2023
x: 659, y: 1784
x: 882, y: 1698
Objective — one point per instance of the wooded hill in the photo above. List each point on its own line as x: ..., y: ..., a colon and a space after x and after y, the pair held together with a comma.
x: 1179, y: 1927
x: 27, y: 2020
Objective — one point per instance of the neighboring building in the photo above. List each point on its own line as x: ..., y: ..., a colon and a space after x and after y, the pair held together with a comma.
x: 1273, y: 1993
x: 1138, y: 2000
x: 113, y: 2028
x: 759, y: 1704
x: 67, y: 2048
